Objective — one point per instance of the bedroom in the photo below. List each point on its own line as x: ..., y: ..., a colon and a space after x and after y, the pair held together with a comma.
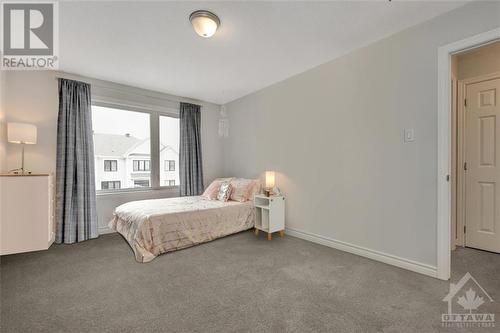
x: 326, y: 111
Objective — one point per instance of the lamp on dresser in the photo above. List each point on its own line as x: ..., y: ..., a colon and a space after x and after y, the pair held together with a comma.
x: 23, y: 134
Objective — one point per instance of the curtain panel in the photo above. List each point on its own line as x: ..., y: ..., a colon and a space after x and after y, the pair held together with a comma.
x: 190, y: 160
x: 76, y: 214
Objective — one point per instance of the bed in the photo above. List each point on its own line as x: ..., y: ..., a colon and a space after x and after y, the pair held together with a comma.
x: 153, y: 227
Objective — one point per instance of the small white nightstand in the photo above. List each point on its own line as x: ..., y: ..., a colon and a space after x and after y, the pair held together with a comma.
x: 270, y: 214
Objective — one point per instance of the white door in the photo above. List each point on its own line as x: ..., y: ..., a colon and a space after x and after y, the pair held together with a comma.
x: 482, y: 155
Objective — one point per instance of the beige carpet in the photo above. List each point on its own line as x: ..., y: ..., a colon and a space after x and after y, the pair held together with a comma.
x: 235, y: 284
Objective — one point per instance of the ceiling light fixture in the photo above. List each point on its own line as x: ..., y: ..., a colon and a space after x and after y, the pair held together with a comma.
x: 205, y: 23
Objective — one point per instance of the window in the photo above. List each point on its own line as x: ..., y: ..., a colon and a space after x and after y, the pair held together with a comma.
x: 141, y: 165
x: 121, y: 137
x: 141, y: 183
x: 170, y: 165
x: 110, y: 185
x: 169, y: 150
x: 110, y: 165
x: 126, y: 138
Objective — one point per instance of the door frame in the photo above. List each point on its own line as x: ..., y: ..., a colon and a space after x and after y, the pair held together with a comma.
x: 454, y: 165
x: 460, y: 146
x: 444, y: 144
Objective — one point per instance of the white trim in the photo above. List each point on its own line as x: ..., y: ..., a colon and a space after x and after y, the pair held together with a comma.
x: 154, y: 130
x: 453, y: 178
x: 460, y: 176
x: 105, y: 230
x: 365, y: 252
x: 135, y: 190
x: 444, y: 144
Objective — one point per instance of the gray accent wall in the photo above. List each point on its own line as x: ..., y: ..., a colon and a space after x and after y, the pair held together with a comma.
x: 334, y: 136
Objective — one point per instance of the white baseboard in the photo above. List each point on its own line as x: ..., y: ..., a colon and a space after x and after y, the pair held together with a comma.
x: 105, y: 230
x: 364, y: 252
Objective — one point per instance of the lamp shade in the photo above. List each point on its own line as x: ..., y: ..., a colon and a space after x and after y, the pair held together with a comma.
x: 21, y: 133
x: 269, y: 179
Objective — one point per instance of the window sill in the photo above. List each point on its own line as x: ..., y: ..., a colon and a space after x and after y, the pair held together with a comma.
x: 134, y: 190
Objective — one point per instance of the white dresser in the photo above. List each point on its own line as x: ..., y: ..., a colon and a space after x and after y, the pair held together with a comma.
x: 26, y: 213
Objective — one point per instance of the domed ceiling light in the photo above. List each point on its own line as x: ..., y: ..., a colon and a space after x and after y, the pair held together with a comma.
x: 205, y: 23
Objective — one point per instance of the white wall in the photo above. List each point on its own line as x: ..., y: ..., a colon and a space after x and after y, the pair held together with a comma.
x: 32, y: 97
x: 3, y: 133
x: 334, y: 136
x: 165, y: 175
x: 3, y: 125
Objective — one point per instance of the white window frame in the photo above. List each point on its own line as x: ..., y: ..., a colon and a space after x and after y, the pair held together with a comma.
x: 111, y: 181
x: 154, y: 129
x: 139, y: 165
x: 110, y: 165
x: 167, y: 165
x: 141, y: 180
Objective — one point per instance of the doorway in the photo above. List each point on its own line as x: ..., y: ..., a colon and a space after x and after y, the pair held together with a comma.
x: 475, y: 172
x: 445, y: 160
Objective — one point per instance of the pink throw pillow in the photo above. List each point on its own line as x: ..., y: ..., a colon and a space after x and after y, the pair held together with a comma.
x: 212, y: 190
x: 241, y: 187
x: 254, y: 188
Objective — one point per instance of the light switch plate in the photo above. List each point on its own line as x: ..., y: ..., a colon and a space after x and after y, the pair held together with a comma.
x: 409, y: 135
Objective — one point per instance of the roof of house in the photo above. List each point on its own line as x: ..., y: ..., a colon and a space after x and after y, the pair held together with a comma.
x: 168, y: 147
x: 114, y: 144
x: 122, y: 145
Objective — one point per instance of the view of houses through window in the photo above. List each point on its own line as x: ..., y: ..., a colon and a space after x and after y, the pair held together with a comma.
x: 111, y: 185
x: 122, y: 149
x: 169, y: 151
x: 141, y: 165
x: 110, y: 165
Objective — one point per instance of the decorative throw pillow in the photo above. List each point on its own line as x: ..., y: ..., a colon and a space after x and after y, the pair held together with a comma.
x: 212, y: 190
x: 240, y: 189
x: 227, y: 179
x: 254, y: 188
x: 224, y: 192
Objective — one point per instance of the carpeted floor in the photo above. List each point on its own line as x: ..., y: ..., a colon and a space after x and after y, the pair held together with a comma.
x: 235, y: 284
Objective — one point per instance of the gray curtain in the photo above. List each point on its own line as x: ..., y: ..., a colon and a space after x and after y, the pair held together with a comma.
x: 76, y: 213
x: 190, y: 165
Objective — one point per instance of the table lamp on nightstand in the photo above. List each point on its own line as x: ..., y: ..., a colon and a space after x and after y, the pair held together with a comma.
x: 269, y: 182
x: 23, y: 134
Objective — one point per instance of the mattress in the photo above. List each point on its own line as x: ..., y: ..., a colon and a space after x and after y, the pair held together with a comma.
x: 153, y: 227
